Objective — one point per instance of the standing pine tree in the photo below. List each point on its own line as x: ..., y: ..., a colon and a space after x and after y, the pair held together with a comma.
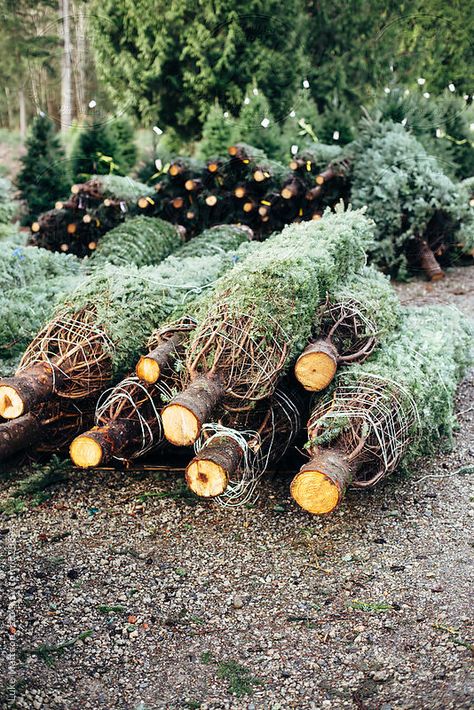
x: 44, y: 176
x: 218, y: 133
x: 122, y: 130
x: 256, y: 125
x: 96, y: 152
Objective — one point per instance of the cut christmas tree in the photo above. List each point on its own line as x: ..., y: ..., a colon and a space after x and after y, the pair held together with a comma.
x: 394, y: 407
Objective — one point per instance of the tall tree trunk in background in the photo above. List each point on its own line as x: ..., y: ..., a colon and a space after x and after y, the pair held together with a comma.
x: 9, y: 108
x: 22, y: 106
x: 66, y: 87
x: 79, y: 64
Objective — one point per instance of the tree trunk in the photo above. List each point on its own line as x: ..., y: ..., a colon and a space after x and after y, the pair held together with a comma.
x: 100, y: 444
x: 19, y: 434
x: 150, y: 367
x: 427, y: 261
x: 321, y: 483
x: 22, y: 107
x: 19, y: 394
x: 208, y: 473
x: 317, y: 365
x: 66, y: 86
x: 189, y: 410
x: 80, y: 57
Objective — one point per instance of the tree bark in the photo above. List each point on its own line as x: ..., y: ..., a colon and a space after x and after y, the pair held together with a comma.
x: 208, y: 473
x: 189, y: 410
x: 66, y: 84
x: 19, y: 434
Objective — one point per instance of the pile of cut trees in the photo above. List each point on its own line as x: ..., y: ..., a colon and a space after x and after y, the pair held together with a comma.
x: 254, y: 350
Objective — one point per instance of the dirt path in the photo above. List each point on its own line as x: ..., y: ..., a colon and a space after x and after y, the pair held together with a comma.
x: 165, y: 603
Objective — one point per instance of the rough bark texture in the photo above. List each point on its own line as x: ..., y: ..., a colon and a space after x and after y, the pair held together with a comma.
x: 208, y: 473
x: 428, y: 261
x: 160, y: 356
x: 110, y: 439
x: 189, y: 410
x: 31, y: 386
x: 18, y: 434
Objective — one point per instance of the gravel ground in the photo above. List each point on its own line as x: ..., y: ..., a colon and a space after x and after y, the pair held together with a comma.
x: 117, y: 597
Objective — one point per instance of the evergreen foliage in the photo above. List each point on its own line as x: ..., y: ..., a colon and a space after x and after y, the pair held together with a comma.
x: 122, y: 131
x: 425, y: 358
x: 407, y: 195
x: 96, y: 152
x: 44, y: 177
x: 142, y: 241
x: 299, y: 266
x: 441, y: 123
x: 130, y: 303
x: 202, y: 53
x: 218, y: 132
x: 255, y: 110
x: 32, y: 282
x: 7, y: 206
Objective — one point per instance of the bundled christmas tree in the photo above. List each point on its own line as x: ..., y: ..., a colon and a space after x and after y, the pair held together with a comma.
x: 142, y: 241
x: 100, y: 327
x: 356, y: 317
x: 246, y: 338
x: 94, y: 208
x: 419, y: 212
x: 386, y: 412
x: 44, y: 176
x: 32, y: 282
x: 233, y: 454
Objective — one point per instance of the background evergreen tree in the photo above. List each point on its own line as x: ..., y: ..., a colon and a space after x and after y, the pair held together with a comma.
x: 256, y: 109
x: 302, y: 125
x: 218, y: 133
x: 96, y: 152
x: 122, y: 131
x: 44, y: 177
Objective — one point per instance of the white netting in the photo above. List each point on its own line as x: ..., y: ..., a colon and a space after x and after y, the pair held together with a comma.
x: 354, y: 334
x: 373, y: 419
x: 276, y: 426
x: 78, y: 351
x: 140, y: 403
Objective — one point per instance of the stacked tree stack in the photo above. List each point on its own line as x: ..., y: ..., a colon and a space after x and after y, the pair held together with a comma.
x: 94, y: 208
x: 99, y: 327
x: 248, y: 188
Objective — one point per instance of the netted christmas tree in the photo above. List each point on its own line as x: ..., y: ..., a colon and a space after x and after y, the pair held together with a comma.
x: 355, y: 319
x: 32, y: 282
x: 142, y: 241
x: 386, y: 412
x: 94, y: 208
x: 44, y: 177
x: 260, y: 316
x: 419, y: 212
x: 100, y: 327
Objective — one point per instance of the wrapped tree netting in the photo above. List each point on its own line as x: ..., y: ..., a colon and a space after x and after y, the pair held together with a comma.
x: 47, y: 429
x: 100, y: 327
x: 260, y: 316
x: 420, y: 214
x: 353, y: 321
x: 235, y: 452
x: 127, y: 423
x: 385, y: 412
x: 143, y: 241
